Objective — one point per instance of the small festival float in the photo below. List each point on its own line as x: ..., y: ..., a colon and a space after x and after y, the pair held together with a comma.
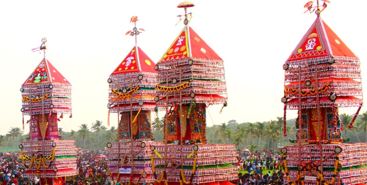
x: 322, y: 75
x: 46, y: 98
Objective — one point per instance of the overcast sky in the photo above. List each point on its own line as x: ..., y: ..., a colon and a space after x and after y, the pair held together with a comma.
x: 86, y: 42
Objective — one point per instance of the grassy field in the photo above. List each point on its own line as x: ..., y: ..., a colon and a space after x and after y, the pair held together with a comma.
x: 8, y: 149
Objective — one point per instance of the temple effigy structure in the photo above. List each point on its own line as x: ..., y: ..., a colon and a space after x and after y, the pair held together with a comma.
x: 46, y: 98
x: 322, y: 75
x: 191, y: 78
x: 131, y: 96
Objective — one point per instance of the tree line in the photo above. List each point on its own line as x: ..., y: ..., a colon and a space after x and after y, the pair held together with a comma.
x: 266, y: 135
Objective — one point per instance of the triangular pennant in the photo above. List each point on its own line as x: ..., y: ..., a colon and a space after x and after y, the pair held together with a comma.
x: 43, y: 128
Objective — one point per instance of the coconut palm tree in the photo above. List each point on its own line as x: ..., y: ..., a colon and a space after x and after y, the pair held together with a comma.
x: 363, y: 124
x: 61, y: 132
x: 83, y: 132
x: 345, y: 120
x: 14, y: 132
x: 157, y: 124
x: 1, y: 139
x: 273, y: 130
x: 251, y: 132
x: 238, y: 136
x: 96, y: 126
x: 259, y: 131
x: 222, y: 133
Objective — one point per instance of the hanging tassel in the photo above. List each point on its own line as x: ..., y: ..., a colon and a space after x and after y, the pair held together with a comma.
x: 224, y: 105
x: 71, y: 115
x: 119, y: 116
x: 136, y: 116
x: 23, y: 121
x: 335, y: 119
x: 285, y: 121
x: 108, y: 118
x: 62, y: 115
x: 192, y: 105
x: 49, y: 115
x: 355, y: 117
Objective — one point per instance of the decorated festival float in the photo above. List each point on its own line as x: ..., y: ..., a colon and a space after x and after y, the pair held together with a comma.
x: 191, y: 78
x: 131, y: 96
x: 322, y: 75
x: 46, y: 98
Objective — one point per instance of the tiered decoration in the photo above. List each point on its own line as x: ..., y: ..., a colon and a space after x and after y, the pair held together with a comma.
x: 131, y: 96
x: 341, y: 163
x: 322, y: 75
x: 46, y: 97
x: 191, y: 77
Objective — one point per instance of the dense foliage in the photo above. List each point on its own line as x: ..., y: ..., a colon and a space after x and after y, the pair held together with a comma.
x: 253, y: 136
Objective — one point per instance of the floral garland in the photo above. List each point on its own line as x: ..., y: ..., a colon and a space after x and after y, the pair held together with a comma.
x: 177, y: 88
x: 27, y: 99
x: 337, y: 168
x: 193, y: 155
x: 125, y: 95
x: 163, y: 175
x: 320, y: 176
x: 135, y: 96
x: 37, y: 160
x: 306, y: 92
x: 284, y: 164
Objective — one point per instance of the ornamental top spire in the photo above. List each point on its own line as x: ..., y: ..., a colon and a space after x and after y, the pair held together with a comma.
x: 135, y: 31
x: 315, y: 6
x: 185, y: 5
x: 42, y: 47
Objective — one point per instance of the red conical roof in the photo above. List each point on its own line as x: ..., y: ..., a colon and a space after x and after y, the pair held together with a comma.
x: 135, y: 61
x: 189, y: 44
x: 320, y: 41
x: 45, y: 73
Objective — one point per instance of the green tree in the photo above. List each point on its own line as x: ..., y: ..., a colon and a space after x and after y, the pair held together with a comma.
x: 84, y: 132
x: 103, y: 128
x: 112, y: 129
x: 223, y: 134
x: 345, y: 120
x: 61, y: 132
x: 109, y: 135
x: 72, y: 133
x: 258, y: 132
x: 1, y: 139
x: 97, y: 126
x: 272, y: 131
x: 158, y: 126
x: 238, y: 136
x: 14, y: 132
x: 363, y: 124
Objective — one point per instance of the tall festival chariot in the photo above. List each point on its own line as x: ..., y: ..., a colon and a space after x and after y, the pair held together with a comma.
x: 131, y: 96
x: 191, y: 78
x: 46, y: 98
x: 322, y: 75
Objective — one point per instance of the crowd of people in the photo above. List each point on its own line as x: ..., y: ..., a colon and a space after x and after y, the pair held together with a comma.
x: 11, y: 170
x: 256, y: 169
x: 93, y: 170
x: 260, y: 168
